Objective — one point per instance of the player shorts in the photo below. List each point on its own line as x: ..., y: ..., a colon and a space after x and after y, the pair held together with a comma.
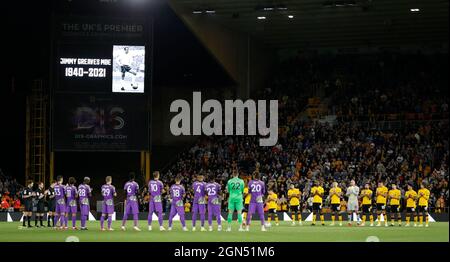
x: 422, y: 209
x: 245, y: 207
x: 366, y: 208
x: 410, y: 210
x: 335, y: 207
x: 294, y: 208
x: 381, y: 207
x: 272, y: 211
x: 353, y: 206
x: 40, y: 207
x: 28, y: 206
x: 235, y: 204
x: 317, y: 207
x: 394, y: 208
x: 51, y: 206
x: 125, y: 68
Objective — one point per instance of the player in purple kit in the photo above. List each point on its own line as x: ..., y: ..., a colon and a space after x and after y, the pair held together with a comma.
x: 84, y: 193
x: 199, y: 203
x: 71, y: 197
x: 108, y: 193
x: 177, y: 193
x: 213, y: 192
x: 155, y: 187
x: 257, y: 189
x: 131, y: 203
x: 60, y: 197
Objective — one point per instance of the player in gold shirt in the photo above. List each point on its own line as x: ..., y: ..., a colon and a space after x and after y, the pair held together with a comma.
x: 247, y: 198
x: 366, y: 204
x: 410, y: 197
x: 272, y: 202
x: 394, y: 196
x: 422, y: 209
x: 317, y: 194
x: 381, y: 198
x: 294, y: 204
x: 335, y: 200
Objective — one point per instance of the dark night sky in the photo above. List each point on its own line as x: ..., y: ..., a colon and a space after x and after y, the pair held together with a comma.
x: 27, y: 48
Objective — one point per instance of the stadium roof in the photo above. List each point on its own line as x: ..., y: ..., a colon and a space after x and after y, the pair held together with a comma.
x: 330, y: 24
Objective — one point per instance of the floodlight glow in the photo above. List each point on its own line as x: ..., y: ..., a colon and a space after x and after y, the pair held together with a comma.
x: 414, y: 10
x: 261, y: 17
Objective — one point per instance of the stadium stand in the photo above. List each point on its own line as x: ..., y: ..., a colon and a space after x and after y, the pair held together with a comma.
x: 397, y: 136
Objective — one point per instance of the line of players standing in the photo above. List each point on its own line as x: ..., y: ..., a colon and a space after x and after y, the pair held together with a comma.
x: 383, y: 201
x: 62, y: 201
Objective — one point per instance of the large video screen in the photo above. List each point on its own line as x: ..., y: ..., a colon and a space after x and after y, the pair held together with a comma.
x: 102, y: 122
x: 101, y: 68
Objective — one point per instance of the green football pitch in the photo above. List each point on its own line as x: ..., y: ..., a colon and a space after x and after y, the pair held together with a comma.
x: 285, y: 232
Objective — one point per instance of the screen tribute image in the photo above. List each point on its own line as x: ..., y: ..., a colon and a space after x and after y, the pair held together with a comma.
x: 128, y: 73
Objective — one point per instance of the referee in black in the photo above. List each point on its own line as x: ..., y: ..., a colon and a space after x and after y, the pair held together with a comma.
x: 51, y: 204
x: 40, y: 201
x: 27, y: 197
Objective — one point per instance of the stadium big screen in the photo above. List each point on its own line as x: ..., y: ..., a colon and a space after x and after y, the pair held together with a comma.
x: 101, y: 84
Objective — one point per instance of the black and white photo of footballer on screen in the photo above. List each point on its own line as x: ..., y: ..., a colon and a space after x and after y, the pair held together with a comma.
x: 128, y: 69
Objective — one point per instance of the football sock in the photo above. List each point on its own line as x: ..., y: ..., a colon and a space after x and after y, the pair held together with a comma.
x: 230, y: 218
x: 135, y: 219
x: 109, y: 221
x: 124, y: 219
x: 24, y: 219
x: 219, y: 219
x: 160, y: 219
x: 202, y: 219
x: 149, y: 218
x: 182, y: 220
x: 102, y: 221
x: 56, y: 219
x: 261, y: 217
x: 210, y: 217
x: 194, y: 217
x: 299, y: 217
